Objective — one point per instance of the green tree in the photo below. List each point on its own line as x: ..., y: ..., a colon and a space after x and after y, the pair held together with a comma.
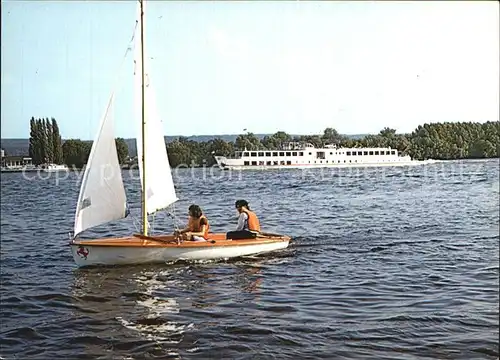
x: 122, y: 150
x: 36, y: 142
x: 315, y: 140
x: 76, y: 152
x: 216, y: 147
x: 42, y: 141
x: 387, y: 132
x: 332, y: 136
x: 276, y: 141
x: 455, y: 140
x: 248, y: 141
x: 33, y: 147
x: 57, y: 143
x: 481, y: 149
x: 179, y: 152
x: 49, y: 151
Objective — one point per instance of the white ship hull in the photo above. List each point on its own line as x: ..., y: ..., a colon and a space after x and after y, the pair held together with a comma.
x: 299, y: 156
x: 228, y: 164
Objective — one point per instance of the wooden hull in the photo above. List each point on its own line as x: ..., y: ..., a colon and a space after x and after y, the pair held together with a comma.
x: 137, y: 249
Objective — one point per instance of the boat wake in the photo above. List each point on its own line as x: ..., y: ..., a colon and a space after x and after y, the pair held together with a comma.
x: 155, y: 323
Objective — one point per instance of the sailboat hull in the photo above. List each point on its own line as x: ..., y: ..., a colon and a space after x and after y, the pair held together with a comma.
x: 160, y: 249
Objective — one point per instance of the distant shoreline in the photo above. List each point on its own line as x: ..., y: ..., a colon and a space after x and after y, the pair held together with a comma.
x: 20, y: 146
x: 135, y: 168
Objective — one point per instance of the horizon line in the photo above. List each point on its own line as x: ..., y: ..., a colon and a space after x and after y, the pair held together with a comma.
x: 188, y: 136
x: 272, y: 133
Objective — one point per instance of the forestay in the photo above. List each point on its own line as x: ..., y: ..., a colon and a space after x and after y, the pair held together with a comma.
x: 102, y: 195
x: 159, y: 186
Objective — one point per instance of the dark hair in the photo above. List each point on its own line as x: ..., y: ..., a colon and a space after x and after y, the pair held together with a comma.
x: 241, y: 203
x: 195, y: 211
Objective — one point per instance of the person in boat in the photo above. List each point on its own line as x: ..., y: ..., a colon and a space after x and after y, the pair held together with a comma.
x: 197, y: 228
x: 248, y: 223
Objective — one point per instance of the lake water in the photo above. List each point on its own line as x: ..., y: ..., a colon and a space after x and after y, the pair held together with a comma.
x: 388, y: 263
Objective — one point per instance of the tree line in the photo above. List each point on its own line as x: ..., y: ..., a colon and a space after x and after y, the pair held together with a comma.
x: 45, y: 145
x: 440, y: 141
x: 76, y: 152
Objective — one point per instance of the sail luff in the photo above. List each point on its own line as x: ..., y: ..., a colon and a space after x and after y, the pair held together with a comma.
x: 76, y: 228
x: 143, y: 132
x: 100, y: 199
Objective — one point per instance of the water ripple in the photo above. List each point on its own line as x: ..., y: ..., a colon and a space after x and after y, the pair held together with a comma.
x: 385, y: 263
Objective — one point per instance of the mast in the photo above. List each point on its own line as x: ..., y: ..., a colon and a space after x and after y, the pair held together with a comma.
x: 143, y: 199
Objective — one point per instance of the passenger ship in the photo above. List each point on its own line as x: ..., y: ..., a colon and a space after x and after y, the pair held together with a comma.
x: 297, y: 155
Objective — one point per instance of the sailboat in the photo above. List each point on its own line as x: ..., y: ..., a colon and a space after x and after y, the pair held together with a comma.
x: 102, y: 198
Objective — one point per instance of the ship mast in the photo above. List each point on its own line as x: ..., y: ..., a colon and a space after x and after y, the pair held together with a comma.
x: 143, y: 199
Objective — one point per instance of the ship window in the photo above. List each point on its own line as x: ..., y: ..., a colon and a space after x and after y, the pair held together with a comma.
x: 327, y: 161
x: 371, y: 153
x: 310, y: 153
x: 261, y: 162
x: 376, y: 152
x: 245, y: 154
x: 288, y: 153
x: 344, y: 161
x: 393, y: 152
x: 339, y: 161
x: 268, y: 163
x: 301, y: 153
x: 348, y: 153
x: 268, y: 154
x: 331, y: 153
x: 350, y: 161
x: 253, y: 154
x: 321, y: 162
x: 282, y: 154
x: 289, y: 163
x: 261, y: 154
x: 275, y: 163
x: 294, y: 153
x: 254, y: 162
x: 360, y: 153
x: 246, y: 163
x: 275, y: 153
x: 282, y: 163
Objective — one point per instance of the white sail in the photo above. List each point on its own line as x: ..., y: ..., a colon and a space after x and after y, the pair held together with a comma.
x: 102, y: 195
x: 159, y: 186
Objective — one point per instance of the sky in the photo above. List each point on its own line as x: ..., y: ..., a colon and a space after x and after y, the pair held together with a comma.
x: 221, y: 67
